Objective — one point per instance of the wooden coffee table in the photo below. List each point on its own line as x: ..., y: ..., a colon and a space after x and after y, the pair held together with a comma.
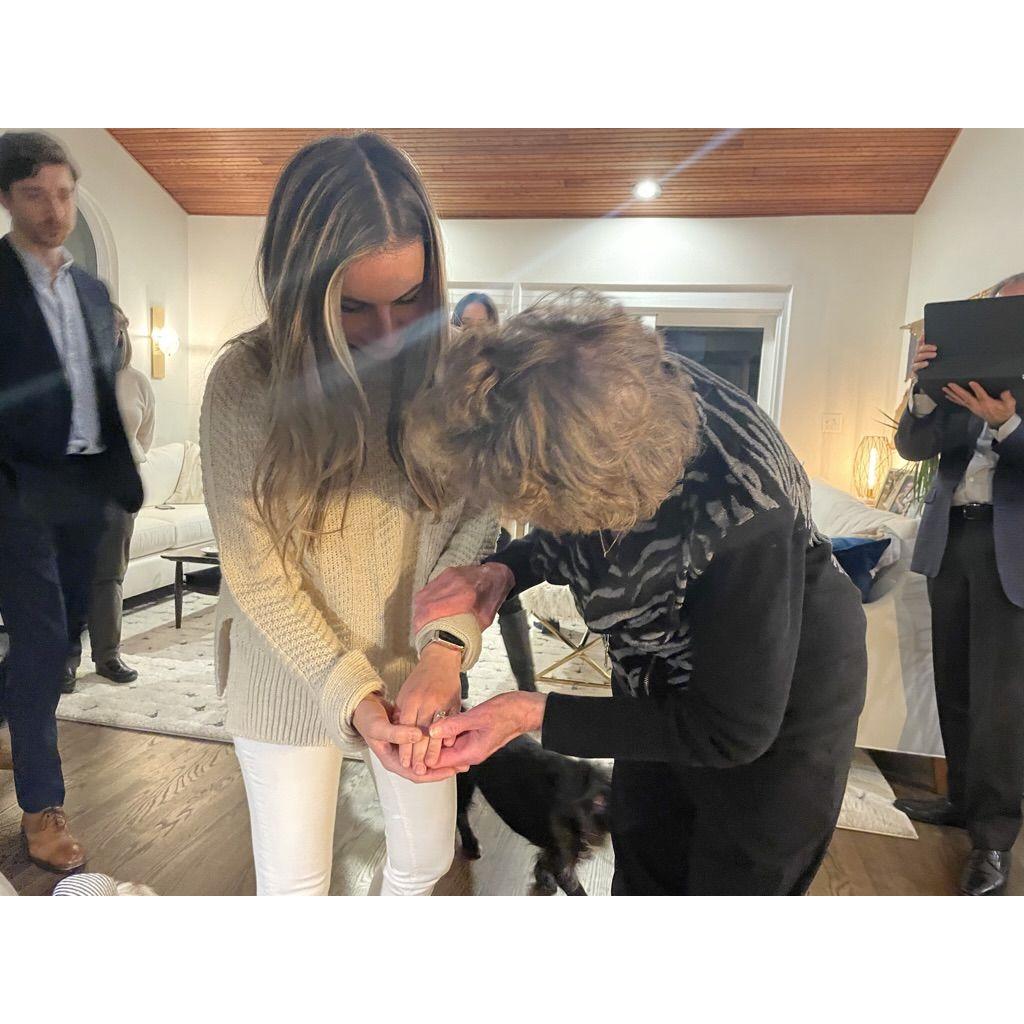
x: 192, y: 556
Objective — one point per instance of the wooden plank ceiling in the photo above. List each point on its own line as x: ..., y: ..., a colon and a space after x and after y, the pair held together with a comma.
x: 514, y: 172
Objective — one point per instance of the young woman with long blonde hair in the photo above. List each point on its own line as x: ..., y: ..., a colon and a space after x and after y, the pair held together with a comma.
x: 323, y: 535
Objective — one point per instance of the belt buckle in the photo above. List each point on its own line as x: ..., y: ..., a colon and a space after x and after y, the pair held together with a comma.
x: 974, y: 510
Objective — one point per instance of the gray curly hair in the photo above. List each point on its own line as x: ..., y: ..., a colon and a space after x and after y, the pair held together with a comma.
x: 570, y: 416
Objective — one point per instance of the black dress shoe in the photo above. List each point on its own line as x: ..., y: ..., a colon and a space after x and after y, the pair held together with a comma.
x: 932, y: 812
x: 67, y: 684
x: 117, y: 671
x: 986, y: 873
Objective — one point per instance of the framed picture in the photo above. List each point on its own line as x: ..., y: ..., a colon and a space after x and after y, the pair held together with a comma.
x: 890, y: 486
x: 903, y: 502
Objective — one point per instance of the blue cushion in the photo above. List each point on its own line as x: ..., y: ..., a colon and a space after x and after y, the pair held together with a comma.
x: 858, y: 556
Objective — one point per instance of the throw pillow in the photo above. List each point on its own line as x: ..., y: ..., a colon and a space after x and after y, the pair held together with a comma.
x: 858, y: 556
x: 189, y: 490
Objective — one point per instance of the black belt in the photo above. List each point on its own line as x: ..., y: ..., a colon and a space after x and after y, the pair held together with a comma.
x: 973, y: 511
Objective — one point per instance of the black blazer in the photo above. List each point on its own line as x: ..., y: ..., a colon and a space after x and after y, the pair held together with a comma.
x: 951, y: 432
x: 35, y: 404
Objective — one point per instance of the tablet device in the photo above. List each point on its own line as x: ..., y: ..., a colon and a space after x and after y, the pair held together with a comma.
x: 977, y: 339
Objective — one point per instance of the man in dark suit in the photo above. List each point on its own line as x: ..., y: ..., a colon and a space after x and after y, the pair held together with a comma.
x: 971, y: 548
x: 64, y: 460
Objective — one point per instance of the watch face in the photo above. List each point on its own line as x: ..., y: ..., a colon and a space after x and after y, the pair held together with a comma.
x: 450, y: 638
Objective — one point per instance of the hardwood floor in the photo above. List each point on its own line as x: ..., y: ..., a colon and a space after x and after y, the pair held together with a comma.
x: 171, y: 813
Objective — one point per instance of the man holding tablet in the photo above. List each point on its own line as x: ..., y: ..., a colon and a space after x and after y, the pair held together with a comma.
x: 971, y: 548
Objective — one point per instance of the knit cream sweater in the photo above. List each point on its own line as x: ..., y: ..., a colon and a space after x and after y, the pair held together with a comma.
x: 296, y: 654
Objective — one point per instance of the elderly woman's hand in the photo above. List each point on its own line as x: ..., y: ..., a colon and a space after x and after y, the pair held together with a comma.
x: 474, y: 735
x: 480, y: 589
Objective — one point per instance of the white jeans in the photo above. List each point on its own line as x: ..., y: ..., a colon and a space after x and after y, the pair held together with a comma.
x: 293, y: 797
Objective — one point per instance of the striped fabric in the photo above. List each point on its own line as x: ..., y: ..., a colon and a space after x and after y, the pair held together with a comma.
x: 632, y: 588
x: 86, y: 885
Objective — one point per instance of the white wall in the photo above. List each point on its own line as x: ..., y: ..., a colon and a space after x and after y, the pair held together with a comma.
x: 969, y: 232
x: 150, y: 233
x: 223, y: 294
x: 848, y: 277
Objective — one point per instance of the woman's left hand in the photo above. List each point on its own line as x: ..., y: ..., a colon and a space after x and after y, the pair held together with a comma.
x: 474, y: 735
x: 432, y: 686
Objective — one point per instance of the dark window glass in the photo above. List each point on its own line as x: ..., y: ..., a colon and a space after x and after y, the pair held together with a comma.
x: 732, y: 352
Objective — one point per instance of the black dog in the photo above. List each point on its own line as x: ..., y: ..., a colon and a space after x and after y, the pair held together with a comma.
x: 559, y: 804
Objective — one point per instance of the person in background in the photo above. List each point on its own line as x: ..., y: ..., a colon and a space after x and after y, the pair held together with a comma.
x: 970, y: 545
x: 674, y: 510
x: 477, y: 309
x: 137, y: 404
x: 64, y: 459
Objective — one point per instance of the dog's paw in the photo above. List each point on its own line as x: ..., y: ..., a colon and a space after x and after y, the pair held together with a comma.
x: 544, y: 885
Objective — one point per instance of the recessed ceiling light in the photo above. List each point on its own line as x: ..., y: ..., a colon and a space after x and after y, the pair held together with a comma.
x: 647, y: 189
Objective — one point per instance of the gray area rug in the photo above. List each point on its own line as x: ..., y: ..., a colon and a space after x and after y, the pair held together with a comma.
x: 175, y: 695
x: 175, y: 692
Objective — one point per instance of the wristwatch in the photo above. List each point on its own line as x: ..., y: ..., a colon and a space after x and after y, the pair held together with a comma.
x: 445, y: 639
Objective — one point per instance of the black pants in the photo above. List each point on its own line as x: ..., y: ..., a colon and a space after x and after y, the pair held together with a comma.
x: 756, y: 830
x: 978, y: 649
x: 46, y: 572
x: 515, y: 634
x: 106, y: 601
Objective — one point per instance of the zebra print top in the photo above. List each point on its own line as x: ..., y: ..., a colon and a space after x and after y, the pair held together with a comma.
x: 741, y: 509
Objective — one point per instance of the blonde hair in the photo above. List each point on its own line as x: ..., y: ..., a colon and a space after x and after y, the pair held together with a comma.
x: 122, y: 338
x: 338, y: 199
x: 570, y: 416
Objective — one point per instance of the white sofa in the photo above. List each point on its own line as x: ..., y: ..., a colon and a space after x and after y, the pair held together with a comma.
x: 900, y: 712
x: 170, y: 476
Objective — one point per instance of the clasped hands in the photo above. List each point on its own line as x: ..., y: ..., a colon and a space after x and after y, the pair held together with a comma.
x: 410, y: 738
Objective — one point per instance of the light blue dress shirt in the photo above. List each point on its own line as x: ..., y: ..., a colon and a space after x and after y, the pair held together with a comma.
x: 58, y: 300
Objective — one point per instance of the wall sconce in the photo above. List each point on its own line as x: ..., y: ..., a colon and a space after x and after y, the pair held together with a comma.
x: 871, y: 465
x: 164, y: 342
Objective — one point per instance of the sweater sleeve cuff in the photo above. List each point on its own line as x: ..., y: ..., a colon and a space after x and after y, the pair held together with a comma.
x: 465, y: 627
x: 351, y: 681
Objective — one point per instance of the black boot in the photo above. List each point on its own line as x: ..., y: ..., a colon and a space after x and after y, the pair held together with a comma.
x: 67, y: 684
x: 117, y: 671
x: 933, y: 812
x: 986, y: 873
x: 515, y: 632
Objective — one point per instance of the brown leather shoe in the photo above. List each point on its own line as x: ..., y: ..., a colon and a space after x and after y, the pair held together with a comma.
x: 51, y: 846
